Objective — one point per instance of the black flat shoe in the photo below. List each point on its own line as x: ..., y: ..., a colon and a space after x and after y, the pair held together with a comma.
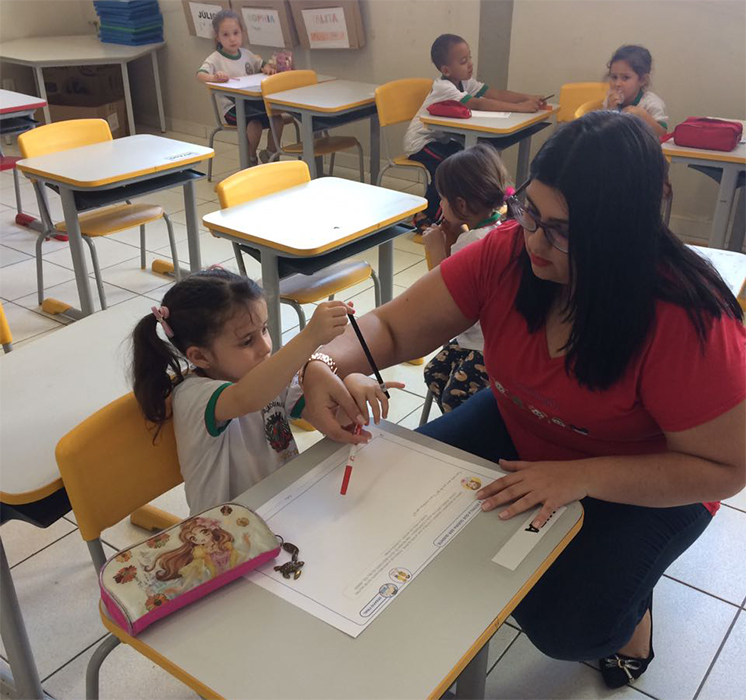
x: 619, y: 670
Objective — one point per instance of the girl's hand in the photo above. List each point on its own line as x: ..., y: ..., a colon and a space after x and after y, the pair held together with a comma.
x: 367, y: 391
x: 553, y: 484
x: 268, y: 70
x: 328, y: 321
x: 532, y: 104
x: 635, y: 109
x: 613, y: 98
x: 221, y: 77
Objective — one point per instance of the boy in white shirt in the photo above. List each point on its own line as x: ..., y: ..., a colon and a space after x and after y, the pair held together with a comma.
x: 452, y: 57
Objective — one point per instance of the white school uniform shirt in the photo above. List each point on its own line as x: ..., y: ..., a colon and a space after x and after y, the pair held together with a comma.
x: 651, y: 103
x: 219, y: 461
x: 246, y: 63
x: 418, y: 134
x: 472, y: 338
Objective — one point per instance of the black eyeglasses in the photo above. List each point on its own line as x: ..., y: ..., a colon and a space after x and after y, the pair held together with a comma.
x: 529, y: 220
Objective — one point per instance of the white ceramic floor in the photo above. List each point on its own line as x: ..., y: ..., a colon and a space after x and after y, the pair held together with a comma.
x: 700, y: 620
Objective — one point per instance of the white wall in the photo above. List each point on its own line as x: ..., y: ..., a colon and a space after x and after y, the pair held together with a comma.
x: 699, y: 65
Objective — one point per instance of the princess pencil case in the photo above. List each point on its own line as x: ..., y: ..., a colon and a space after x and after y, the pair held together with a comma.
x: 156, y: 577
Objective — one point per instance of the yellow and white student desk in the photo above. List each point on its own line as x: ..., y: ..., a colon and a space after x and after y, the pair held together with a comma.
x: 516, y: 127
x: 41, y: 404
x: 245, y: 92
x: 114, y: 171
x: 330, y: 220
x: 244, y: 642
x: 328, y: 105
x: 45, y: 52
x: 732, y: 163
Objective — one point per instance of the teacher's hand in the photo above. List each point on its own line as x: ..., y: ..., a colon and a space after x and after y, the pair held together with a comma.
x: 325, y: 393
x: 550, y: 484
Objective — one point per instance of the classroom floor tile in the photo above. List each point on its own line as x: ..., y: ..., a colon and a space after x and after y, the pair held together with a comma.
x: 20, y: 279
x: 128, y: 275
x: 109, y: 253
x: 156, y: 235
x: 737, y: 501
x: 68, y: 292
x: 10, y: 256
x: 727, y: 678
x: 24, y: 239
x: 21, y: 540
x: 203, y: 209
x: 25, y: 324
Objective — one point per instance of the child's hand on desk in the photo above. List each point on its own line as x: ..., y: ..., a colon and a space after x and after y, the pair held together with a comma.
x: 532, y: 104
x: 366, y: 391
x: 268, y: 69
x: 328, y: 321
x: 221, y: 77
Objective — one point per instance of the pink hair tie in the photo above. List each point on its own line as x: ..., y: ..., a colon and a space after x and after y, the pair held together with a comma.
x: 161, y: 315
x: 509, y: 192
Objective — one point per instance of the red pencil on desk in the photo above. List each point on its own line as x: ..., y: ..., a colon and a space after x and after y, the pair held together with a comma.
x: 350, y: 462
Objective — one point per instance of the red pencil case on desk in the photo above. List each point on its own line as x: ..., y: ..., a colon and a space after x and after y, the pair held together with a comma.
x: 449, y: 108
x: 705, y: 132
x: 150, y: 580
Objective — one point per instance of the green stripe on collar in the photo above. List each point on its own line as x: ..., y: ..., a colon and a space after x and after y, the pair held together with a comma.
x: 231, y: 56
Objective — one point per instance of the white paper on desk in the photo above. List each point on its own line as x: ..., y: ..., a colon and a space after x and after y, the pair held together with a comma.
x: 485, y: 113
x: 404, y: 505
x: 246, y: 82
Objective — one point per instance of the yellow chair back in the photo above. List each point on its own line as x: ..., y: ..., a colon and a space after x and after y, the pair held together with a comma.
x: 572, y: 95
x: 590, y: 106
x: 288, y: 80
x: 261, y: 180
x: 62, y: 136
x: 111, y: 466
x: 399, y: 100
x: 6, y: 337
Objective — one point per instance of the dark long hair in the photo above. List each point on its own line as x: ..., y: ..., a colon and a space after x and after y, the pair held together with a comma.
x: 610, y: 170
x: 198, y: 307
x: 638, y: 58
x: 477, y: 175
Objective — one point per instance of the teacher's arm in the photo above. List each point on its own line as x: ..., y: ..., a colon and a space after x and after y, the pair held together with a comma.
x: 705, y: 463
x: 411, y: 325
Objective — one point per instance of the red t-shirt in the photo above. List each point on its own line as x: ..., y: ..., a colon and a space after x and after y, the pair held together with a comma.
x: 671, y: 385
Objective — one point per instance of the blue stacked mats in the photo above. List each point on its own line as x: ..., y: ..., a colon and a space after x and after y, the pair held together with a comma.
x: 131, y: 22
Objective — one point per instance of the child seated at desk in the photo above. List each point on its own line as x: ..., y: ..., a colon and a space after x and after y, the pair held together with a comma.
x: 471, y: 184
x: 230, y: 397
x: 629, y: 83
x: 452, y: 57
x: 230, y: 60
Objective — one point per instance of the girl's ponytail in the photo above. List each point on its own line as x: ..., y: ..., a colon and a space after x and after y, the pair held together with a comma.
x: 156, y: 367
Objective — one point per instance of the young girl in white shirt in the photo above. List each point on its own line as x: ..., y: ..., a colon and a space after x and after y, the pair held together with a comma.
x: 629, y: 81
x: 230, y: 398
x: 471, y: 185
x: 230, y: 60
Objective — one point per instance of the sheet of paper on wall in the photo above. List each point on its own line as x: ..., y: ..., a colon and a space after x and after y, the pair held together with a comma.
x: 263, y: 26
x: 404, y: 505
x: 326, y: 28
x: 246, y: 82
x: 492, y: 115
x: 202, y: 14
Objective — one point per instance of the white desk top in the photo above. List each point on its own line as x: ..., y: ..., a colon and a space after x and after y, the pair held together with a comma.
x: 329, y: 97
x: 250, y: 85
x: 492, y: 125
x: 737, y: 155
x: 730, y: 264
x: 113, y: 161
x: 11, y: 102
x: 260, y: 646
x: 51, y: 385
x: 70, y: 51
x: 329, y: 212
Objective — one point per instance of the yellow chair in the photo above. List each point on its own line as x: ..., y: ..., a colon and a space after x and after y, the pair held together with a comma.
x: 396, y: 102
x: 325, y: 145
x: 295, y: 289
x: 62, y: 136
x: 111, y: 466
x: 572, y: 95
x: 6, y: 337
x: 590, y: 106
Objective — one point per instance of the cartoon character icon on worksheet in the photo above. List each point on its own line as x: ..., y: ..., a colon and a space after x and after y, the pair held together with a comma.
x: 471, y: 483
x: 388, y: 590
x: 400, y: 575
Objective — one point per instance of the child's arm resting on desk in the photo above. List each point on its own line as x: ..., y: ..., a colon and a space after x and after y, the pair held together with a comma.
x: 507, y: 101
x: 205, y: 77
x: 265, y: 381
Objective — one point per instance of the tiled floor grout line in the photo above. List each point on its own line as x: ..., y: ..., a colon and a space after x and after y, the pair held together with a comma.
x: 46, y: 546
x: 717, y: 654
x: 736, y: 508
x: 701, y: 590
x: 505, y: 651
x: 78, y: 655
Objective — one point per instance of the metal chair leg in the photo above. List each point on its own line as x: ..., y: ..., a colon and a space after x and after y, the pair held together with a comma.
x: 172, y: 243
x: 94, y: 666
x: 362, y: 162
x: 97, y: 272
x: 331, y: 164
x: 40, y: 267
x: 739, y: 223
x: 298, y: 310
x: 239, y: 259
x: 426, y: 408
x: 142, y: 247
x: 376, y: 287
x: 17, y: 188
x: 211, y: 142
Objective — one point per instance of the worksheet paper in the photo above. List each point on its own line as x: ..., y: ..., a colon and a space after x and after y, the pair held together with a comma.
x: 486, y: 113
x: 246, y: 82
x: 404, y: 505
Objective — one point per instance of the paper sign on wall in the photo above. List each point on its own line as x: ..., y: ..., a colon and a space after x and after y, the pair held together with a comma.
x: 263, y: 26
x: 326, y: 28
x: 202, y: 14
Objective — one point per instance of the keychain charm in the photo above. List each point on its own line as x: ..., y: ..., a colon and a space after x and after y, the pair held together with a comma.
x: 292, y: 567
